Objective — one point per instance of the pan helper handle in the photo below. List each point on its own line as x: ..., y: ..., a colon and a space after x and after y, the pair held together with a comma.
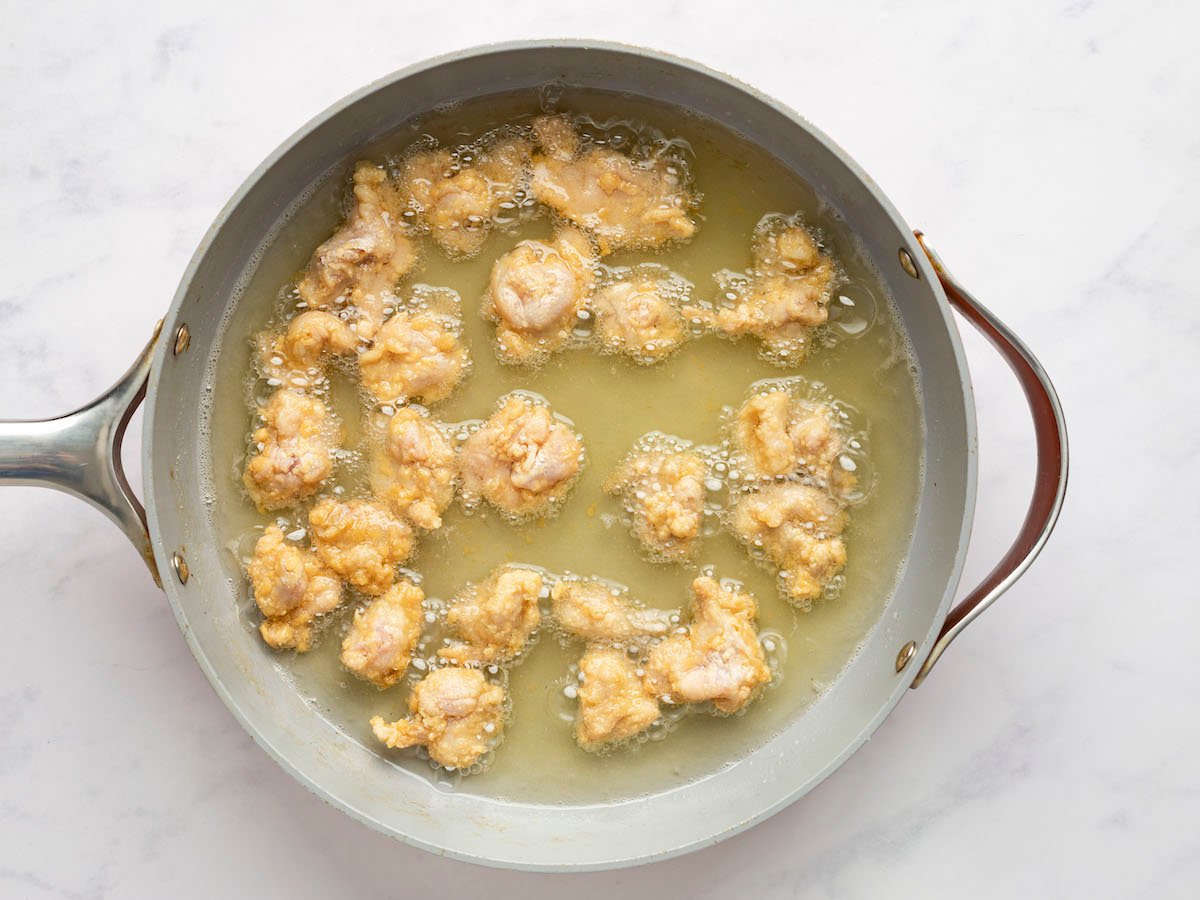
x: 1050, y: 484
x: 80, y: 453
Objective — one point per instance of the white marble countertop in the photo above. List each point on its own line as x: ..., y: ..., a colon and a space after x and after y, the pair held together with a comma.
x: 1052, y: 154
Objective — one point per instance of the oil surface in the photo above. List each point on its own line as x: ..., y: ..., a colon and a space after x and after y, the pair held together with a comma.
x: 612, y: 402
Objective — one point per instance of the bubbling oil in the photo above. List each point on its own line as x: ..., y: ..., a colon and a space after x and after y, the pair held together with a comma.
x: 859, y: 362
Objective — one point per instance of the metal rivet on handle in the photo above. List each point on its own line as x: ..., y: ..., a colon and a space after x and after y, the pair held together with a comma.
x: 183, y: 338
x: 179, y: 564
x: 906, y: 263
x: 904, y: 657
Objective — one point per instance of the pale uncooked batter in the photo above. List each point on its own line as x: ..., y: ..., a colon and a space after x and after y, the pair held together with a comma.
x: 782, y: 297
x: 292, y: 587
x: 537, y: 293
x: 717, y: 658
x: 415, y: 467
x: 362, y: 540
x: 799, y: 529
x: 623, y: 202
x: 493, y: 621
x: 456, y: 713
x: 379, y: 645
x: 293, y: 450
x: 522, y: 460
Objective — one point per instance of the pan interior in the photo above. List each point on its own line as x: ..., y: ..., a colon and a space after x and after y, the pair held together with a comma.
x: 612, y: 402
x: 780, y: 758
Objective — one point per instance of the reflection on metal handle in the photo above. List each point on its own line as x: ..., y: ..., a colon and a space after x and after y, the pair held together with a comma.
x: 80, y: 453
x: 1050, y: 485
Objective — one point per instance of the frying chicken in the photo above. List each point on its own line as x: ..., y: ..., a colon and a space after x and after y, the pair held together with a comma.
x: 415, y: 356
x: 614, y: 704
x: 360, y: 540
x: 535, y: 294
x: 718, y: 658
x: 522, y: 460
x: 369, y: 254
x: 638, y: 315
x: 496, y: 618
x: 778, y: 434
x: 294, y: 451
x: 785, y: 295
x: 457, y: 194
x: 662, y: 487
x: 623, y: 202
x: 414, y: 468
x: 799, y: 529
x: 456, y: 713
x: 298, y: 355
x: 595, y: 611
x: 380, y: 643
x: 291, y: 587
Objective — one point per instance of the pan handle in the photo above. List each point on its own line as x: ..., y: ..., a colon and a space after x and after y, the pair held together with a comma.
x: 1050, y: 484
x: 80, y: 453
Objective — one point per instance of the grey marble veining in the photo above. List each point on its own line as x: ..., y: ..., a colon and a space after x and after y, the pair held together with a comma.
x: 1050, y: 150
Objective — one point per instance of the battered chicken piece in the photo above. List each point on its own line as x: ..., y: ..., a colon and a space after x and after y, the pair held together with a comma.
x: 294, y: 450
x: 799, y: 529
x: 415, y: 468
x: 298, y: 356
x: 495, y: 619
x: 777, y: 434
x: 456, y: 713
x: 638, y: 317
x: 535, y: 294
x: 718, y: 658
x: 613, y: 702
x: 380, y: 643
x: 291, y: 587
x: 663, y: 489
x: 522, y: 460
x: 786, y: 295
x: 593, y: 610
x: 415, y: 356
x: 456, y: 199
x: 622, y: 202
x: 369, y: 254
x: 360, y: 540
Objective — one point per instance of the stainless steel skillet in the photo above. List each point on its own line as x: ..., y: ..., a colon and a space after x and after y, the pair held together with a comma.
x: 79, y: 453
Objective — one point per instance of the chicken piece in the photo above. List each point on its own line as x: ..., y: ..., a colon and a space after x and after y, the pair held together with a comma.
x: 638, y: 317
x: 360, y: 540
x: 535, y: 294
x: 777, y: 434
x: 456, y: 199
x: 380, y: 643
x: 370, y: 253
x: 456, y: 713
x: 415, y: 356
x: 414, y: 468
x: 717, y: 658
x: 594, y: 611
x: 495, y: 619
x: 556, y: 137
x: 799, y: 528
x: 291, y: 587
x: 522, y: 460
x: 622, y: 202
x: 663, y: 489
x: 298, y: 356
x: 785, y: 296
x: 614, y: 704
x: 294, y: 453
